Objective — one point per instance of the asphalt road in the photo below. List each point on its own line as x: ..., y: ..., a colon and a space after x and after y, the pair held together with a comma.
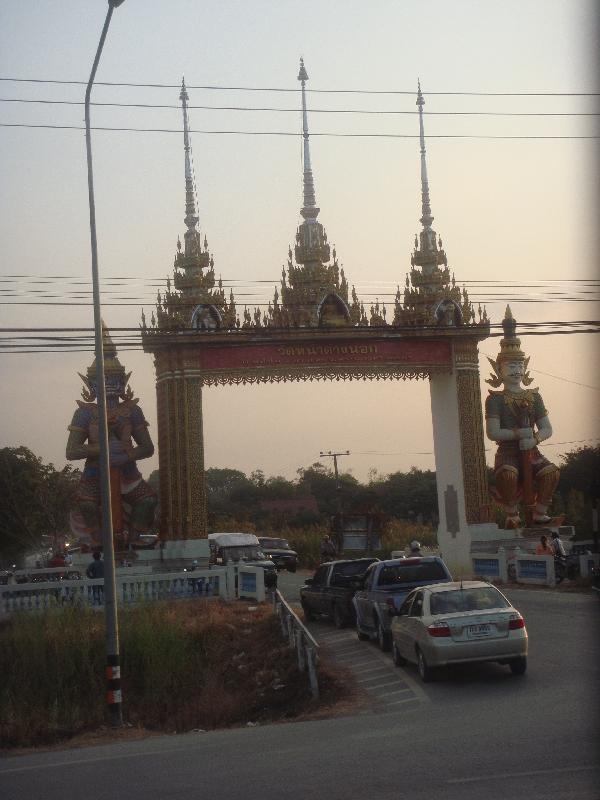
x: 476, y: 733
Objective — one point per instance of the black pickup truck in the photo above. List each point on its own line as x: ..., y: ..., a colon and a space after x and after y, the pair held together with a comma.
x: 331, y: 589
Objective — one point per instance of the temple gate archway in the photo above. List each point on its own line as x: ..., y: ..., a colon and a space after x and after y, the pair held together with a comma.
x: 317, y: 329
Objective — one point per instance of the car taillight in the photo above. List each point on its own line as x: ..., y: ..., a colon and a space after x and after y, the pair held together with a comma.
x: 439, y: 629
x: 516, y: 622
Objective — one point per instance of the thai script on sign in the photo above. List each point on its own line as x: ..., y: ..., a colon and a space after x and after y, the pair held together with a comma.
x: 328, y: 350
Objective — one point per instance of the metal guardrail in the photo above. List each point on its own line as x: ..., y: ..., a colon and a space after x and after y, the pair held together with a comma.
x: 300, y: 638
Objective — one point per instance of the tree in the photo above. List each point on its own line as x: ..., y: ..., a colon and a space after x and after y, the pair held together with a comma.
x: 35, y: 500
x: 578, y: 487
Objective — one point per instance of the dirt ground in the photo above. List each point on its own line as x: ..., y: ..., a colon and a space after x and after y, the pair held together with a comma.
x: 254, y: 680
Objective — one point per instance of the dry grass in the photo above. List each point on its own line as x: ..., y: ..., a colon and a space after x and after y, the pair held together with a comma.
x: 185, y: 666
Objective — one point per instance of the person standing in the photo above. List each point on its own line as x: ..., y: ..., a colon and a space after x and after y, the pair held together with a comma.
x: 415, y: 548
x: 328, y: 550
x: 544, y: 548
x: 558, y: 547
x: 95, y: 571
x: 96, y: 568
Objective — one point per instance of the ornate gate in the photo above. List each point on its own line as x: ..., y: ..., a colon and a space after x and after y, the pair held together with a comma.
x: 316, y: 328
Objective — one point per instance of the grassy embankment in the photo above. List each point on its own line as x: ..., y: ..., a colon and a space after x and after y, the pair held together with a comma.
x: 185, y: 665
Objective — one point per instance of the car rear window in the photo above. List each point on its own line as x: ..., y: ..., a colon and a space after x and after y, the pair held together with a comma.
x: 397, y: 574
x: 278, y: 544
x: 353, y: 569
x: 480, y: 599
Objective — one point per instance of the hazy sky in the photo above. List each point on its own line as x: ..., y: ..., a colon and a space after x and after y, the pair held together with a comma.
x: 511, y: 211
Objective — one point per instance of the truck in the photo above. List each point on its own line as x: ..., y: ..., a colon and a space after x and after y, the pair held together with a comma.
x: 331, y: 589
x: 386, y: 584
x: 241, y: 548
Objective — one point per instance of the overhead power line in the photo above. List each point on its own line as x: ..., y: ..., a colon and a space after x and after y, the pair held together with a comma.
x: 392, y: 112
x: 210, y: 87
x: 299, y: 134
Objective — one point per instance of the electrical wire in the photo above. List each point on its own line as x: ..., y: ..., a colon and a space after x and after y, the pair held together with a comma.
x: 431, y: 453
x: 410, y: 92
x: 330, y: 134
x: 374, y: 112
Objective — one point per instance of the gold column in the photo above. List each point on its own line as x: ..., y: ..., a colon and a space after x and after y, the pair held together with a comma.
x: 165, y: 454
x: 194, y: 463
x: 466, y: 364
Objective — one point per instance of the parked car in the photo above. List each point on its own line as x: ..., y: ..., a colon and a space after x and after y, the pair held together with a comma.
x: 241, y: 548
x: 280, y: 552
x: 455, y: 623
x: 331, y: 589
x: 386, y: 585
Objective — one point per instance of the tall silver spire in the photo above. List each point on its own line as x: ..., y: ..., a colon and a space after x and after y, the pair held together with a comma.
x: 309, y: 209
x: 192, y: 234
x: 428, y: 239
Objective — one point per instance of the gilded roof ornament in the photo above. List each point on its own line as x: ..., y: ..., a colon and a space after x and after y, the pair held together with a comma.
x: 431, y: 297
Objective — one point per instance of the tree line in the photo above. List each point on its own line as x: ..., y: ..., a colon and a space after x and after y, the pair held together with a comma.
x: 35, y: 498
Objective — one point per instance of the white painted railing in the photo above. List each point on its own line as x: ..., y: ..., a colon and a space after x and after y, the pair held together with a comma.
x: 587, y: 561
x: 131, y: 588
x: 490, y: 566
x: 535, y: 569
x: 514, y: 565
x: 300, y: 638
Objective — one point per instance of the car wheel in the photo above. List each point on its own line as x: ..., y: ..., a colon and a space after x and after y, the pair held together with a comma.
x: 518, y: 666
x: 291, y: 568
x: 425, y: 671
x: 399, y: 660
x: 338, y: 618
x: 362, y: 637
x: 383, y: 639
x: 308, y: 614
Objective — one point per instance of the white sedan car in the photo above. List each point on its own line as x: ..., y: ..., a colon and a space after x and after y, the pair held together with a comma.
x: 453, y: 623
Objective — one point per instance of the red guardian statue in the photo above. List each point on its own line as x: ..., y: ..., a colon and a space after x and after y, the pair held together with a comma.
x: 133, y: 501
x: 517, y: 420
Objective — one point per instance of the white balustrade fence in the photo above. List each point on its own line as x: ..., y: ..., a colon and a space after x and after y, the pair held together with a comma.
x: 514, y: 565
x: 134, y: 586
x: 535, y: 569
x: 490, y: 566
x: 587, y: 561
x: 131, y: 588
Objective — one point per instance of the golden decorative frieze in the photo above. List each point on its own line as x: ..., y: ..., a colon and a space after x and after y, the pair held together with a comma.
x: 250, y: 376
x: 472, y: 445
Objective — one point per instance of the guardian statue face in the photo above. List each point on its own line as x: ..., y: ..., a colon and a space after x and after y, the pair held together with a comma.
x: 114, y: 385
x: 512, y: 372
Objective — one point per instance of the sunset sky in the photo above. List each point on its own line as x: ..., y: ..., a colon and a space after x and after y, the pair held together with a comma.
x: 518, y: 216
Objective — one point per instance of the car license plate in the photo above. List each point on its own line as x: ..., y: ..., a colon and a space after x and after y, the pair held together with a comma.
x: 476, y: 631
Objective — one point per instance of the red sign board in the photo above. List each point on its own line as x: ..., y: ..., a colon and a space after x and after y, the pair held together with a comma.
x: 316, y: 354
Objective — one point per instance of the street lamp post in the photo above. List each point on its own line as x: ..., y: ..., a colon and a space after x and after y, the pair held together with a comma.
x: 113, y: 670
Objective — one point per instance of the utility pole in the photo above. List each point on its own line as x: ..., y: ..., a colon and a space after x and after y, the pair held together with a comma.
x: 113, y: 667
x: 338, y: 488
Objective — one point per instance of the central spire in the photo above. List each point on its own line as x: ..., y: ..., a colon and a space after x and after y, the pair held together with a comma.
x: 192, y: 234
x: 314, y: 289
x: 309, y: 209
x: 426, y: 218
x: 428, y: 253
